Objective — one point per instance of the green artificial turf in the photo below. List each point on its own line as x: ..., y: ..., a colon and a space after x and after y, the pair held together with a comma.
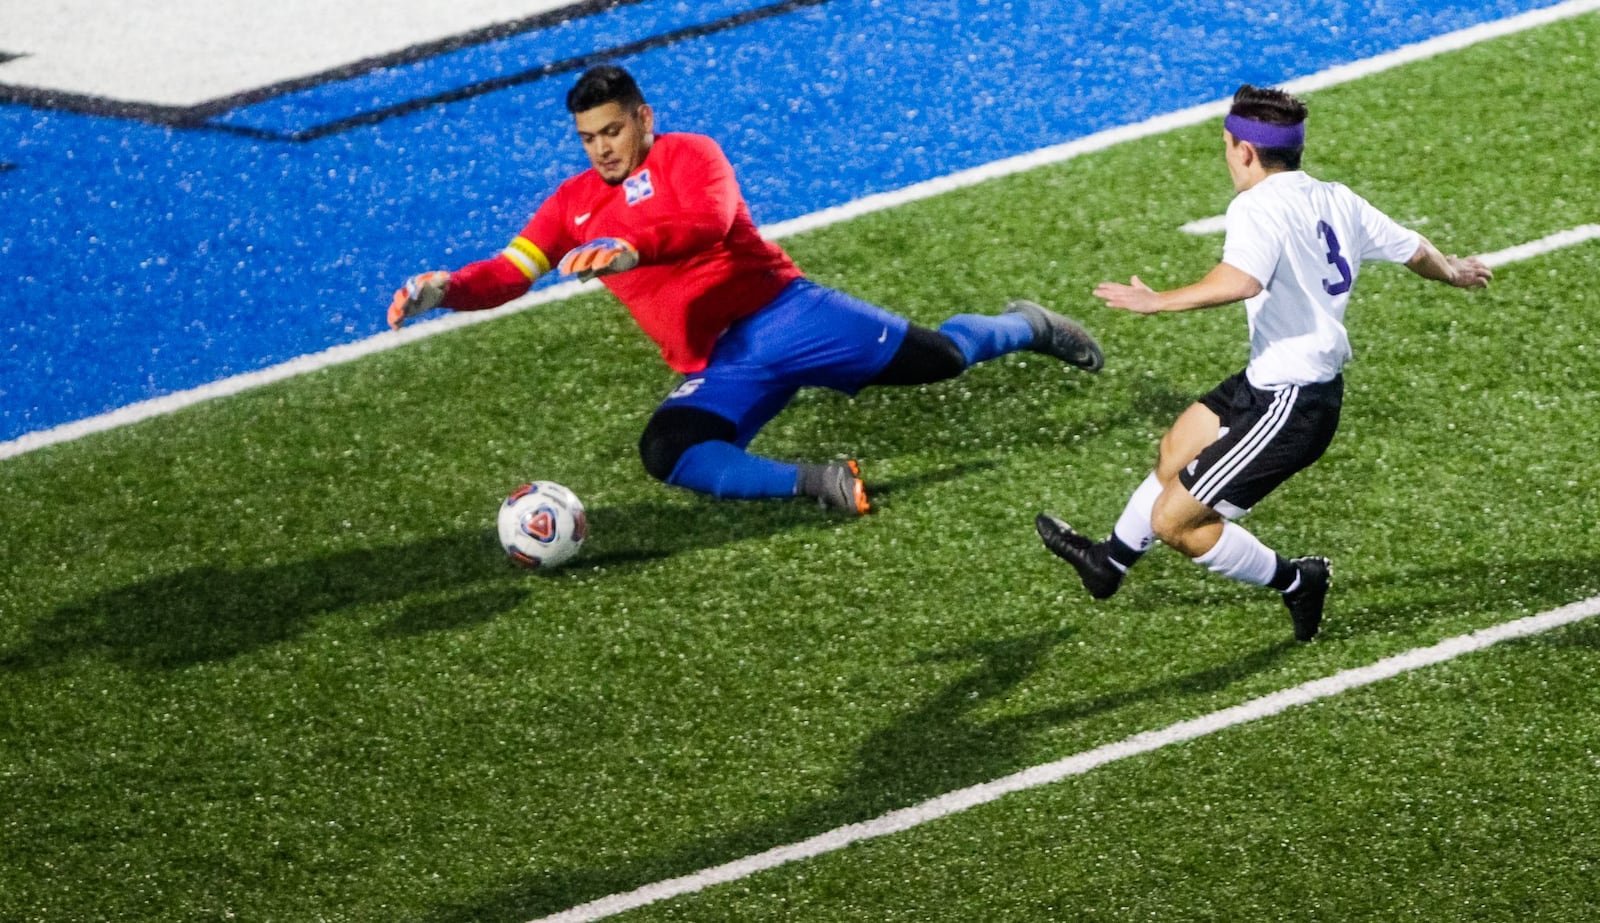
x: 262, y: 658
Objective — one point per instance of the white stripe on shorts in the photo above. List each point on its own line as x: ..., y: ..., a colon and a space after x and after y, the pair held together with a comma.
x: 1253, y: 444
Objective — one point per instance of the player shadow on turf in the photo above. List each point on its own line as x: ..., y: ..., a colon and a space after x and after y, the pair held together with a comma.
x: 634, y: 535
x: 449, y: 582
x: 883, y: 489
x: 1000, y: 415
x: 938, y: 747
x: 1585, y: 634
x: 211, y: 613
x: 631, y: 536
x: 1401, y: 600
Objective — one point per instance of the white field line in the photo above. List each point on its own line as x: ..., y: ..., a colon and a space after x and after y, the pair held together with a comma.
x: 1557, y: 241
x: 1194, y: 115
x: 1345, y: 73
x: 1078, y: 764
x: 1216, y: 224
x: 312, y: 362
x: 1577, y: 235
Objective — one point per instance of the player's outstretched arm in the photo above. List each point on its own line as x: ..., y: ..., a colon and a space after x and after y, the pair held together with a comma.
x: 1135, y: 296
x: 474, y: 287
x: 1222, y: 285
x: 421, y: 293
x: 602, y: 256
x: 1461, y: 272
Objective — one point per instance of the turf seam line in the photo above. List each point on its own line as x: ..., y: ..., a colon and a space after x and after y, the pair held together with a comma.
x: 1079, y: 763
x: 1184, y: 118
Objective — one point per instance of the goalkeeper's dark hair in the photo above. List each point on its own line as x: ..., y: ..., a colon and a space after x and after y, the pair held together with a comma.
x: 601, y: 84
x: 1275, y: 107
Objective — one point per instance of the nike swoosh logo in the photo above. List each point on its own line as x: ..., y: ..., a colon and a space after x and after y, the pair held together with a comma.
x: 582, y: 218
x: 884, y: 337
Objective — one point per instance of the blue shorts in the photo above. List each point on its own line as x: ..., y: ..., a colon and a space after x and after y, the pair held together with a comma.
x: 810, y: 336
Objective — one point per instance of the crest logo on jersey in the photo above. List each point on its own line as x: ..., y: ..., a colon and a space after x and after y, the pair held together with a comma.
x: 638, y: 188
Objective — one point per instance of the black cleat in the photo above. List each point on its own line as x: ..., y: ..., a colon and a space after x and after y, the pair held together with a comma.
x: 1100, y: 577
x: 1062, y: 337
x: 1305, y: 602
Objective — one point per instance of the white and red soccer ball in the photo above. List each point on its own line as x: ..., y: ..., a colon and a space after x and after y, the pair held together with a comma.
x: 542, y: 525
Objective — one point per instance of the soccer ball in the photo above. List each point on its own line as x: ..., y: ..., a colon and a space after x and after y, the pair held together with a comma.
x: 542, y: 524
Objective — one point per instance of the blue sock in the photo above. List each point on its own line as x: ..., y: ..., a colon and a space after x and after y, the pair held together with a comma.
x: 726, y: 471
x: 981, y: 337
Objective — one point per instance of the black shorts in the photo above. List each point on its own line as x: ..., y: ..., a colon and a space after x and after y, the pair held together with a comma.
x: 1267, y: 436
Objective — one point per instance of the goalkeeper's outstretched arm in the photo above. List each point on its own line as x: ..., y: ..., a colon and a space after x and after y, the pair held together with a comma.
x: 474, y: 287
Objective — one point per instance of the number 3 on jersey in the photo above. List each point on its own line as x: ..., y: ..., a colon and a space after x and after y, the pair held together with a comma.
x: 1336, y: 260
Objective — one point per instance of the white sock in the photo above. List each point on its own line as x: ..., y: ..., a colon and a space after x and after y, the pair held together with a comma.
x: 1133, y: 526
x: 1240, y: 556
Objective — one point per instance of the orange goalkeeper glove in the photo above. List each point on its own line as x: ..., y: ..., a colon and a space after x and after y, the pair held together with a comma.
x: 421, y: 293
x: 599, y: 257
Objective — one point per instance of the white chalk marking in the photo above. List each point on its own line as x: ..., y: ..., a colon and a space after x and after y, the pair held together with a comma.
x: 1216, y: 224
x: 1078, y: 764
x: 1557, y: 241
x: 312, y: 362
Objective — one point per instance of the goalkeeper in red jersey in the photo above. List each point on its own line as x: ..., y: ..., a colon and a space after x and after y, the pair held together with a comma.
x: 661, y: 221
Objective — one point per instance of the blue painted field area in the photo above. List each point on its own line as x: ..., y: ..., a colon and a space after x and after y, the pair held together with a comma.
x: 140, y: 260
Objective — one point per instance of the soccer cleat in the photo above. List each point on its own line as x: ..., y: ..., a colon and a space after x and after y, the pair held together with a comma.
x: 837, y: 487
x: 1059, y: 336
x: 1305, y: 602
x: 1100, y: 577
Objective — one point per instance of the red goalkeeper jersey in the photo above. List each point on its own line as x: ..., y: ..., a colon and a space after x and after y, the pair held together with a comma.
x: 702, y: 263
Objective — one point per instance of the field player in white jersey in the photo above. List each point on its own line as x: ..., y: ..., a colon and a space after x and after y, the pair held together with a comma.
x: 1294, y: 248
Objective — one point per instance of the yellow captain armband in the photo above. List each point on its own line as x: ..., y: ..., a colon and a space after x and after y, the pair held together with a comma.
x: 529, y: 258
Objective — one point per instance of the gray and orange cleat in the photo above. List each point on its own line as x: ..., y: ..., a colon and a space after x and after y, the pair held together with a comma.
x: 836, y: 486
x: 1059, y: 336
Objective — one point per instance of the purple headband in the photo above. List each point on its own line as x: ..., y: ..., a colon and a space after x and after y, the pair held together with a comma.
x: 1265, y: 134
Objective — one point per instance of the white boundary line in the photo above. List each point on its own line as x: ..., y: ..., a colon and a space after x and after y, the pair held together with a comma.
x: 1569, y: 238
x: 1184, y: 118
x: 1557, y: 241
x: 1200, y: 227
x: 312, y: 362
x: 1078, y: 764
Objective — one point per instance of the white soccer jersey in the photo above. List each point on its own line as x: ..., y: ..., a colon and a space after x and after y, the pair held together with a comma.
x: 1304, y: 240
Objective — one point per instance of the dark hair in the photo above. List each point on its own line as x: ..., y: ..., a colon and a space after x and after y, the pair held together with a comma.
x: 604, y: 83
x: 1275, y: 107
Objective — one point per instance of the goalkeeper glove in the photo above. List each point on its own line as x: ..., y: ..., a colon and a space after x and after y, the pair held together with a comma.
x: 599, y: 257
x: 421, y: 293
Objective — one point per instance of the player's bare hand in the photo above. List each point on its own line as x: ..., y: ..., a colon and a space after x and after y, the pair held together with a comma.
x: 421, y: 293
x: 1470, y: 272
x: 602, y: 256
x: 1136, y: 296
